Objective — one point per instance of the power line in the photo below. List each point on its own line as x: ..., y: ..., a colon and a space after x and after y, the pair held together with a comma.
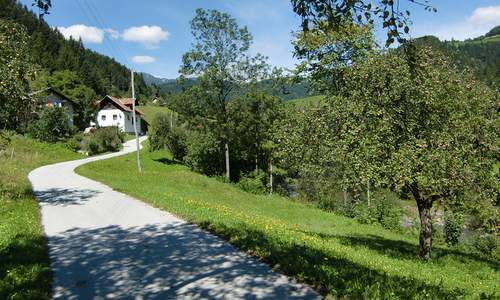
x: 90, y: 15
x: 102, y: 23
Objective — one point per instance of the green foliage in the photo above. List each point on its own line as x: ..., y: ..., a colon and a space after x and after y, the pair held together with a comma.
x: 394, y: 20
x: 53, y: 52
x: 453, y: 227
x: 203, y: 152
x: 338, y: 256
x: 101, y: 140
x: 382, y: 210
x: 254, y: 182
x: 163, y: 136
x: 24, y: 262
x: 493, y: 32
x: 160, y: 129
x: 326, y: 53
x: 487, y: 245
x: 51, y: 126
x: 15, y: 69
x: 71, y: 85
x: 480, y: 55
x: 75, y: 142
x: 220, y: 60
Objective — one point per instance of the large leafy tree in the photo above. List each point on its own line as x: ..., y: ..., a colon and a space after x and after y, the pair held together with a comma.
x: 70, y: 84
x: 393, y: 15
x: 410, y: 121
x: 253, y: 118
x: 16, y: 68
x: 327, y: 52
x: 219, y: 58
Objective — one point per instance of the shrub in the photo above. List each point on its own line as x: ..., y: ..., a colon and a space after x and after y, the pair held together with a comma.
x: 164, y: 137
x: 453, y: 225
x: 51, y: 126
x: 204, y: 153
x: 75, y: 142
x: 254, y: 182
x: 160, y: 129
x: 106, y: 139
x: 383, y: 211
x: 109, y: 139
x: 487, y: 245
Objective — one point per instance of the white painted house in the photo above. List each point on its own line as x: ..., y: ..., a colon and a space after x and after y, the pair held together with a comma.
x: 118, y: 112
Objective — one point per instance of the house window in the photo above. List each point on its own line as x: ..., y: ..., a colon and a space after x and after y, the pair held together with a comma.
x: 103, y: 117
x: 128, y: 117
x: 115, y: 117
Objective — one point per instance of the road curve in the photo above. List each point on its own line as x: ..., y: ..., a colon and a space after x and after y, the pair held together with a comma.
x: 104, y: 244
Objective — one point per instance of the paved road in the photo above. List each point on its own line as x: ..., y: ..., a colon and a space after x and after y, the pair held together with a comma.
x: 106, y: 245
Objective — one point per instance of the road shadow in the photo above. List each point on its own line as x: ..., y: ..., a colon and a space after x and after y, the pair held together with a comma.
x: 64, y: 197
x: 160, y: 262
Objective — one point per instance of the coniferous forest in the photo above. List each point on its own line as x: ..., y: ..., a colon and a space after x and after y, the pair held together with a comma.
x: 53, y: 52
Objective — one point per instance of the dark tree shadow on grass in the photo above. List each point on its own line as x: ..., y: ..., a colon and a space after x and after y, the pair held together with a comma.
x: 328, y: 273
x: 64, y: 197
x: 160, y: 262
x: 166, y: 161
x: 24, y: 268
x: 404, y: 250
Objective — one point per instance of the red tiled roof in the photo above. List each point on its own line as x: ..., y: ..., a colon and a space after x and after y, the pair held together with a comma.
x: 121, y: 105
x: 126, y: 101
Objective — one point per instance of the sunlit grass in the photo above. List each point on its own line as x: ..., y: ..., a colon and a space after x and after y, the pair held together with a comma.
x: 335, y: 254
x: 24, y: 265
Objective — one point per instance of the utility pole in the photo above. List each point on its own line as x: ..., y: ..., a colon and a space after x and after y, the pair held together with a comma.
x: 134, y: 121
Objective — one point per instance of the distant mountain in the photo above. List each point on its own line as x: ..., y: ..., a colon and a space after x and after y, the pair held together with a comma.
x: 151, y: 79
x: 172, y: 86
x: 481, y: 54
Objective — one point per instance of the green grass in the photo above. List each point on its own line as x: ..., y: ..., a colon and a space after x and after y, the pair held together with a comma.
x: 150, y: 111
x: 312, y: 100
x: 24, y: 264
x: 335, y: 254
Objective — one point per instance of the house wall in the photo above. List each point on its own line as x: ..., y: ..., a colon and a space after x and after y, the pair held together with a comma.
x: 111, y: 117
x: 123, y: 120
x: 129, y: 125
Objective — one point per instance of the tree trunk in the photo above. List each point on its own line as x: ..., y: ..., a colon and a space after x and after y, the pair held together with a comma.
x: 228, y: 175
x: 345, y: 197
x: 424, y: 211
x: 271, y: 175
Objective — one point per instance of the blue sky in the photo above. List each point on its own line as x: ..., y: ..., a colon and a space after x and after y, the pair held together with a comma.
x: 151, y: 35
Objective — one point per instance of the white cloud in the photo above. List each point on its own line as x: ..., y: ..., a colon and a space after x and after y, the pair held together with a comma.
x: 143, y: 59
x: 88, y: 34
x: 149, y: 36
x: 114, y: 34
x: 485, y: 16
x: 478, y: 23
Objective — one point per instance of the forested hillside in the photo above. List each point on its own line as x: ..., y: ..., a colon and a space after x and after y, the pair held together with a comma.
x: 172, y: 86
x: 481, y: 54
x: 54, y: 53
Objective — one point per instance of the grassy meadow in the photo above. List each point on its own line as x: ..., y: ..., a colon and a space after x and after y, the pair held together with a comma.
x: 335, y: 254
x: 150, y: 111
x: 24, y: 263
